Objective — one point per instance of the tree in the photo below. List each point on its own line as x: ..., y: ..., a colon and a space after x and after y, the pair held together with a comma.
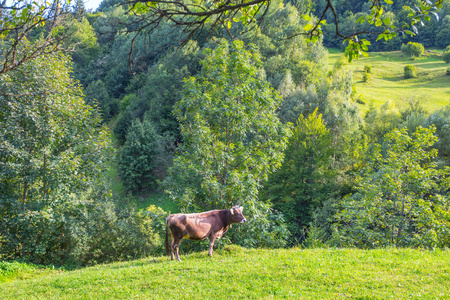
x: 232, y: 140
x: 18, y: 20
x: 138, y: 159
x: 305, y: 180
x: 401, y: 198
x: 80, y: 10
x: 52, y: 149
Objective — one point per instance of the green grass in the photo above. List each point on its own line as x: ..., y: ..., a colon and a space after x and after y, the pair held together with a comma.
x: 16, y: 270
x: 158, y: 199
x: 236, y: 273
x: 388, y: 83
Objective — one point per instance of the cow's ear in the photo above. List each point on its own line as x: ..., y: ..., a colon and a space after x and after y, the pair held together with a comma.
x: 232, y: 211
x: 241, y: 208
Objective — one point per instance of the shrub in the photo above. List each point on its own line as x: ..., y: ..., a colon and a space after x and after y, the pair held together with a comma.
x: 366, y: 76
x: 79, y: 230
x: 448, y: 71
x: 368, y: 68
x: 410, y: 71
x: 110, y: 230
x: 413, y: 49
x: 446, y: 56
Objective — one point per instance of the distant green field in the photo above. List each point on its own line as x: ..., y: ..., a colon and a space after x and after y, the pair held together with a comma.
x: 237, y: 273
x: 432, y: 85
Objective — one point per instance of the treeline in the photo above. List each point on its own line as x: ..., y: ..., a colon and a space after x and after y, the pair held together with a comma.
x: 262, y: 121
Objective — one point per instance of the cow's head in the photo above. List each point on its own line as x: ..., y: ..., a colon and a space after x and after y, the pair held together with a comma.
x: 236, y: 215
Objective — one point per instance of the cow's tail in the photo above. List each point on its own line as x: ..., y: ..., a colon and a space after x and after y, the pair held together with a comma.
x: 167, y: 241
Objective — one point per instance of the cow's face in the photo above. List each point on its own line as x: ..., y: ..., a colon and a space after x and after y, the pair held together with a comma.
x: 236, y: 215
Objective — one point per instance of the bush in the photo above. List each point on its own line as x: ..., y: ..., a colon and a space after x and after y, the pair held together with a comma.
x: 448, y: 72
x: 368, y: 68
x: 366, y: 76
x: 79, y: 230
x: 112, y: 230
x: 410, y: 71
x: 446, y: 56
x: 413, y: 49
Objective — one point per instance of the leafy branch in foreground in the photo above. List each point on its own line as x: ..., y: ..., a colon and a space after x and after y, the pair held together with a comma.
x: 194, y: 17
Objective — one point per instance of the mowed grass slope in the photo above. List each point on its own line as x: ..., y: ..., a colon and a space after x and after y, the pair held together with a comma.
x: 387, y: 81
x: 236, y: 273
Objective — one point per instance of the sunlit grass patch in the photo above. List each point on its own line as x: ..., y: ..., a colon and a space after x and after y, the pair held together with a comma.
x: 387, y: 82
x: 238, y: 273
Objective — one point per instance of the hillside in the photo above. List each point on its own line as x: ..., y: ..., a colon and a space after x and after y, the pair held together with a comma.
x: 432, y: 85
x: 235, y: 272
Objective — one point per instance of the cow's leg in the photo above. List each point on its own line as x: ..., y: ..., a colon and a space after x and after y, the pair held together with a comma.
x: 176, y: 246
x: 171, y: 248
x: 212, y: 239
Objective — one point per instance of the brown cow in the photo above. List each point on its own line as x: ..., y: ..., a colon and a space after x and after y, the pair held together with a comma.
x: 213, y: 224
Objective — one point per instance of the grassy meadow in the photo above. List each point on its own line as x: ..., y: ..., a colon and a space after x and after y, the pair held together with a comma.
x: 387, y: 82
x: 237, y: 273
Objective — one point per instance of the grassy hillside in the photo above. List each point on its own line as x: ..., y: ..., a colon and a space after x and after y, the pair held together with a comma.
x: 432, y: 85
x: 235, y: 273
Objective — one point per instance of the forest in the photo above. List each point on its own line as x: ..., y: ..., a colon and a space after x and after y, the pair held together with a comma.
x: 101, y: 109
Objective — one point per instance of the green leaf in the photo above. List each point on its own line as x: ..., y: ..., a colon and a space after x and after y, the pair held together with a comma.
x: 306, y: 17
x: 381, y: 36
x: 308, y: 27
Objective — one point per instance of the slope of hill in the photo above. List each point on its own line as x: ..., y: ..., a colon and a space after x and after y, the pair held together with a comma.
x: 387, y: 81
x: 234, y: 273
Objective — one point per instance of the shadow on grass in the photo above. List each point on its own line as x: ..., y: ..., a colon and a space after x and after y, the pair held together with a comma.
x: 140, y: 263
x: 430, y: 65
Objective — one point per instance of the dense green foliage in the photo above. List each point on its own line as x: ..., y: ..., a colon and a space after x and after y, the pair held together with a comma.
x: 401, y: 199
x: 54, y: 205
x: 304, y: 182
x: 138, y: 159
